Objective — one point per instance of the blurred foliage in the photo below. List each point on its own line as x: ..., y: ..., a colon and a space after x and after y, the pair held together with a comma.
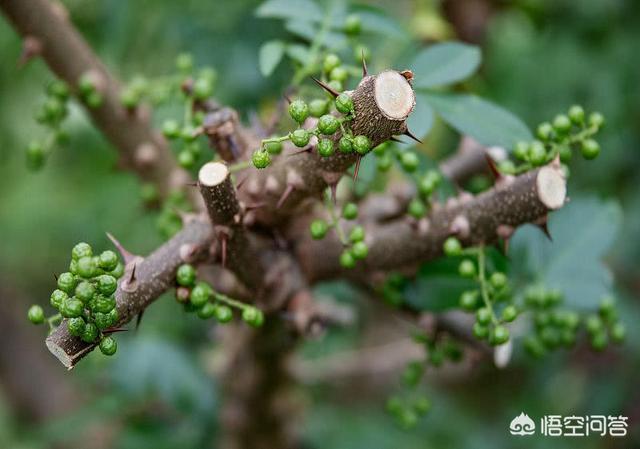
x: 540, y: 56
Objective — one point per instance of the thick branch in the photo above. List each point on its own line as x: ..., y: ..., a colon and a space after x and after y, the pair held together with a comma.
x: 151, y: 277
x: 69, y: 57
x: 469, y: 159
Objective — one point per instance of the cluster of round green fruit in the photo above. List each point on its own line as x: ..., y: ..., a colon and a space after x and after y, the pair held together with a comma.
x: 51, y: 114
x: 574, y: 130
x: 407, y: 411
x: 200, y: 298
x: 88, y: 91
x: 86, y: 297
x: 328, y: 125
x: 169, y: 221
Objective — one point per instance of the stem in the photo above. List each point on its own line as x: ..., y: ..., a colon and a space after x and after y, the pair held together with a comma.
x: 482, y: 279
x: 229, y: 301
x: 335, y: 220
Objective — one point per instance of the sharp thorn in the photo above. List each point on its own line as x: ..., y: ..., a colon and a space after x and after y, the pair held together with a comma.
x: 325, y: 86
x: 355, y: 172
x: 505, y: 246
x: 235, y: 150
x: 255, y: 206
x: 395, y: 139
x: 113, y: 330
x: 493, y: 167
x: 126, y: 255
x: 132, y: 276
x: 192, y: 184
x: 296, y: 153
x: 334, y: 190
x: 287, y: 98
x: 545, y: 229
x: 240, y: 183
x: 285, y: 195
x: 365, y: 72
x: 55, y: 276
x: 223, y: 247
x: 139, y: 319
x: 410, y: 134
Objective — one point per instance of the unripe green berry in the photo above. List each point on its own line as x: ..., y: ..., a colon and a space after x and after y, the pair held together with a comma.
x: 71, y: 308
x: 509, y: 314
x: 483, y: 316
x: 207, y: 311
x: 171, y: 129
x: 618, y: 332
x: 521, y: 151
x: 273, y: 147
x: 350, y: 211
x: 118, y: 271
x: 345, y: 145
x: 352, y: 24
x: 507, y: 167
x: 186, y: 159
x: 35, y: 155
x: 81, y: 250
x: 608, y: 308
x: 412, y: 373
x: 409, y: 161
x: 335, y: 85
x: 356, y: 234
x: 498, y: 280
x: 328, y: 124
x: 200, y: 294
x: 428, y: 183
x: 480, y: 331
x: 565, y: 153
x: 90, y: 333
x: 318, y: 229
x: 360, y: 250
x: 361, y: 144
x: 537, y: 153
x: 188, y: 133
x: 384, y: 162
x: 590, y: 149
x: 576, y: 114
x: 467, y: 269
x: 36, y: 314
x: 469, y: 300
x: 594, y: 324
x: 103, y: 304
x: 534, y: 346
x: 300, y: 137
x: 94, y: 100
x: 223, y: 313
x: 318, y: 107
x: 545, y: 131
x: 299, y: 111
x: 331, y: 61
x: 57, y: 298
x: 599, y: 341
x: 58, y: 89
x: 85, y: 291
x: 87, y: 267
x: 202, y: 88
x: 186, y: 275
x: 344, y: 103
x: 184, y: 62
x: 347, y: 260
x: 75, y: 326
x: 325, y: 147
x: 108, y: 346
x: 102, y: 320
x: 416, y: 208
x: 500, y: 335
x: 452, y: 247
x: 422, y: 405
x: 561, y: 124
x: 339, y: 74
x: 596, y: 119
x: 129, y: 99
x: 108, y: 260
x: 67, y: 283
x: 260, y: 159
x: 253, y: 316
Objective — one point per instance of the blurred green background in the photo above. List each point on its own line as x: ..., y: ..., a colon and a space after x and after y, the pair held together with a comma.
x: 539, y: 57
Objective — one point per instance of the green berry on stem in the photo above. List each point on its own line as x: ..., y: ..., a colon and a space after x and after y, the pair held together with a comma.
x: 409, y: 161
x: 186, y: 275
x: 483, y: 316
x: 171, y: 129
x: 347, y: 260
x: 300, y: 137
x: 223, y: 314
x: 416, y: 208
x: 36, y: 314
x: 325, y: 147
x: 360, y: 51
x: 429, y: 182
x: 599, y: 340
x: 318, y: 229
x: 550, y: 337
x: 360, y: 250
x: 594, y: 324
x: 85, y: 291
x: 87, y: 267
x: 596, y: 119
x: 339, y: 74
x: 299, y: 111
x: 498, y: 280
x: 561, y: 124
x: 356, y: 234
x: 480, y: 331
x: 318, y: 107
x: 200, y: 294
x: 352, y: 24
x: 75, y: 326
x: 35, y: 156
x: 118, y: 271
x: 71, y: 308
x: 90, y: 333
x: 345, y: 145
x: 260, y: 159
x: 186, y: 159
x: 452, y: 247
x: 184, y: 62
x: 537, y: 153
x: 102, y: 320
x: 618, y: 332
x: 108, y: 346
x: 350, y: 211
x: 253, y: 316
x: 202, y: 88
x: 565, y: 153
x: 81, y: 250
x: 576, y: 114
x: 500, y: 335
x: 590, y: 149
x: 509, y: 314
x: 422, y: 405
x: 534, y: 346
x: 57, y: 298
x: 467, y: 269
x: 521, y: 151
x: 103, y: 304
x: 129, y: 99
x: 344, y: 103
x: 58, y: 89
x: 273, y: 147
x: 328, y: 124
x: 545, y: 131
x: 207, y: 311
x: 108, y: 260
x: 361, y: 144
x: 67, y: 282
x: 608, y: 308
x: 94, y: 100
x: 335, y: 85
x: 331, y: 61
x: 469, y: 300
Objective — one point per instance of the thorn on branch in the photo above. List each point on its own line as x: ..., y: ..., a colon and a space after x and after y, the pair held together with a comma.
x: 325, y: 86
x: 365, y: 72
x: 412, y: 136
x: 287, y: 191
x: 31, y: 48
x: 126, y: 255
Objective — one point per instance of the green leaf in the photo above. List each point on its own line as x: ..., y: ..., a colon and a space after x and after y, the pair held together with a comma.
x: 290, y: 9
x: 445, y: 63
x: 486, y: 122
x: 582, y: 231
x: 421, y: 119
x: 378, y: 21
x: 308, y: 31
x: 271, y: 54
x: 299, y: 53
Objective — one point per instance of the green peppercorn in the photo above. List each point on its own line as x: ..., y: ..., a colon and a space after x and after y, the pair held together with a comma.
x: 350, y: 211
x: 550, y: 337
x: 576, y: 114
x: 318, y: 229
x: 81, y: 250
x: 561, y: 124
x: 417, y: 208
x: 67, y: 282
x: 206, y: 311
x: 102, y: 320
x: 252, y: 316
x: 186, y: 159
x: 483, y: 316
x: 507, y: 167
x: 599, y: 341
x: 345, y: 145
x: 409, y: 161
x: 57, y: 298
x: 113, y: 317
x: 534, y: 346
x: 452, y: 247
x: 618, y: 332
x: 545, y: 131
x: 107, y: 284
x: 590, y: 149
x: 509, y: 314
x: 422, y: 405
x: 325, y: 147
x: 339, y: 74
x: 300, y: 137
x: 87, y: 267
x: 335, y: 85
x: 344, y: 103
x: 108, y: 346
x: 299, y: 111
x: 352, y: 24
x: 260, y: 159
x: 202, y: 88
x: 331, y: 61
x: 58, y: 89
x: 594, y: 324
x: 359, y: 250
x: 171, y: 129
x: 356, y: 234
x: 347, y: 260
x: 94, y: 100
x: 71, y: 308
x: 467, y: 269
x: 85, y: 291
x: 108, y: 260
x: 184, y: 62
x: 103, y: 304
x: 328, y: 124
x: 521, y: 150
x: 361, y: 51
x: 36, y: 314
x: 273, y: 147
x: 186, y: 275
x: 35, y: 155
x: 469, y: 300
x: 565, y: 153
x: 596, y: 119
x: 75, y: 326
x: 428, y: 183
x: 224, y: 314
x: 361, y: 144
x: 200, y: 294
x: 129, y: 98
x: 318, y: 107
x: 480, y: 331
x: 537, y: 153
x: 118, y: 271
x: 188, y: 133
x: 498, y: 280
x: 499, y: 336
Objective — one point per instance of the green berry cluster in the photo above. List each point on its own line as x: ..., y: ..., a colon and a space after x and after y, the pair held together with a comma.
x: 327, y: 126
x: 565, y: 133
x: 51, y: 115
x: 89, y: 92
x: 200, y: 298
x: 86, y: 297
